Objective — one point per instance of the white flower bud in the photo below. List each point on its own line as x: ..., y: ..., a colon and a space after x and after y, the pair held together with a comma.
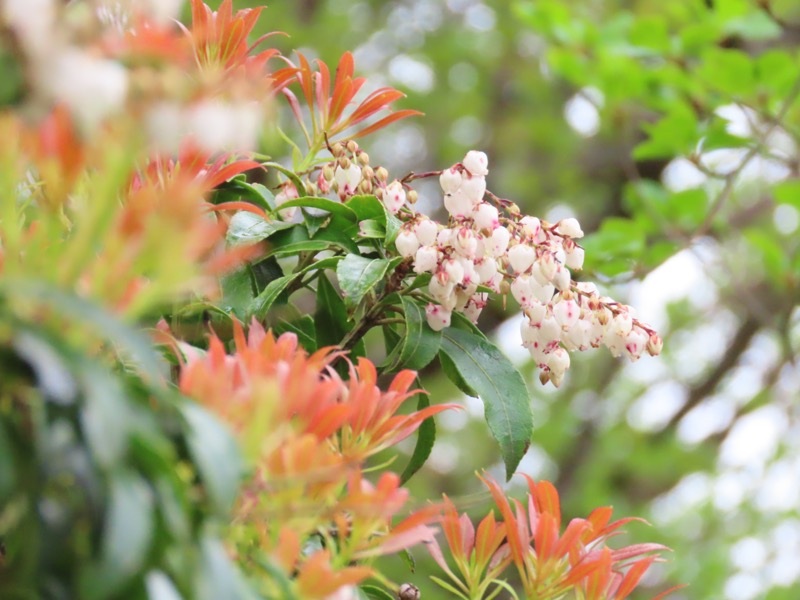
x: 486, y: 268
x: 473, y: 188
x: 550, y: 331
x: 394, y: 197
x: 477, y: 163
x: 426, y: 259
x: 288, y: 192
x: 471, y: 276
x: 347, y: 179
x: 635, y: 343
x: 536, y: 311
x: 438, y: 318
x: 547, y: 266
x: 574, y: 258
x: 457, y: 204
x: 407, y: 243
x: 426, y: 231
x: 465, y: 242
x: 654, y: 345
x: 543, y: 293
x: 521, y: 290
x: 521, y: 257
x: 566, y: 312
x: 496, y: 245
x: 570, y: 228
x: 579, y: 335
x: 530, y: 226
x: 454, y: 270
x: 450, y: 180
x: 562, y: 279
x: 486, y: 216
x: 473, y: 310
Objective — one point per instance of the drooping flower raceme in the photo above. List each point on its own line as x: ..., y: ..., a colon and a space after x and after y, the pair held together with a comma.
x: 487, y: 245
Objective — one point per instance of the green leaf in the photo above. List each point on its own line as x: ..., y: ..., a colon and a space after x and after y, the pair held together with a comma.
x: 367, y: 207
x: 214, y: 451
x: 788, y: 192
x: 393, y: 225
x: 106, y: 418
x: 420, y: 343
x: 728, y: 70
x: 371, y: 229
x: 675, y: 134
x: 128, y: 528
x: 330, y: 319
x: 7, y: 466
x: 331, y: 206
x: 217, y: 576
x: 261, y: 304
x: 291, y: 175
x: 248, y: 228
x: 500, y: 386
x: 237, y: 291
x: 130, y: 341
x: 303, y: 328
x: 358, y: 275
x: 376, y: 593
x: 426, y: 437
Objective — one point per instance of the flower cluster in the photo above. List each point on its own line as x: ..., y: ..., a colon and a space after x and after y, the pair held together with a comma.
x: 487, y: 245
x: 550, y: 564
x: 308, y: 432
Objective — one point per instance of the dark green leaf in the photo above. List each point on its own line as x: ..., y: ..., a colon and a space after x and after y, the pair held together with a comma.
x: 248, y: 228
x: 303, y: 328
x: 501, y: 388
x: 426, y: 437
x: 261, y: 304
x: 265, y: 271
x: 367, y: 207
x: 358, y: 275
x: 420, y: 343
x: 237, y: 291
x: 322, y: 204
x: 106, y: 418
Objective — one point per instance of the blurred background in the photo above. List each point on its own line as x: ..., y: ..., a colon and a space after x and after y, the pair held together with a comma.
x: 670, y: 131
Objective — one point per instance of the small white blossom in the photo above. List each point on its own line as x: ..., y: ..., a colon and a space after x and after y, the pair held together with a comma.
x: 288, y: 192
x: 477, y: 163
x: 426, y: 232
x: 407, y: 243
x: 450, y: 180
x: 473, y: 188
x: 394, y: 196
x: 486, y: 216
x: 438, y: 318
x: 574, y: 259
x: 458, y: 204
x: 347, y: 179
x: 521, y: 257
x: 570, y: 228
x: 425, y: 259
x: 497, y: 244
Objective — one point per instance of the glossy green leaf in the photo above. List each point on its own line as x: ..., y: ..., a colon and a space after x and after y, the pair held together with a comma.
x: 216, y: 455
x: 371, y: 229
x: 248, y: 228
x: 426, y: 437
x: 325, y: 204
x: 487, y: 371
x: 367, y: 207
x: 376, y: 593
x: 358, y: 275
x: 420, y: 343
x: 237, y: 291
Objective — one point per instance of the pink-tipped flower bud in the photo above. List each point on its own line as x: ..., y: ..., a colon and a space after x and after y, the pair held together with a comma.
x: 574, y: 259
x: 486, y: 216
x: 654, y: 344
x: 530, y: 226
x: 407, y: 243
x: 570, y: 228
x: 473, y: 188
x: 497, y: 244
x: 426, y: 231
x: 394, y: 197
x: 457, y: 204
x: 450, y: 180
x: 438, y: 318
x: 477, y: 163
x: 426, y: 259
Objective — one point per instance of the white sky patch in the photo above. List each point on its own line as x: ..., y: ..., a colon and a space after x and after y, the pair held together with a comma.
x: 680, y: 174
x: 707, y: 418
x: 581, y: 112
x: 412, y: 73
x: 749, y: 554
x: 729, y: 489
x: 754, y: 438
x: 444, y: 456
x: 689, y: 493
x: 780, y: 488
x: 453, y: 420
x: 480, y: 17
x: 743, y: 586
x: 652, y: 410
x: 786, y: 218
